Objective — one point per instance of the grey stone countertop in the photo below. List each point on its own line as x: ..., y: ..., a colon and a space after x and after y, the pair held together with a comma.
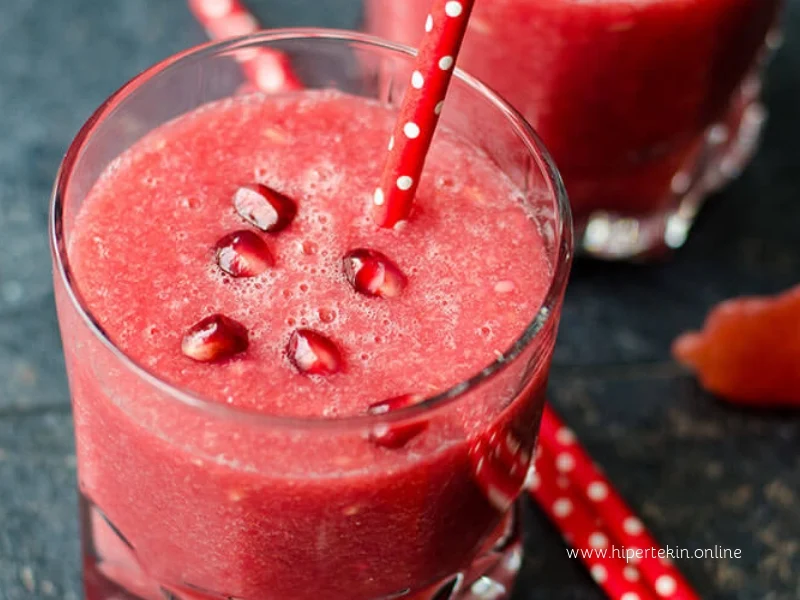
x: 698, y: 471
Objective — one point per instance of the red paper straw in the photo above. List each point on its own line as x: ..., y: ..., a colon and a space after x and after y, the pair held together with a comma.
x: 577, y: 523
x: 419, y: 112
x: 625, y: 528
x: 269, y: 70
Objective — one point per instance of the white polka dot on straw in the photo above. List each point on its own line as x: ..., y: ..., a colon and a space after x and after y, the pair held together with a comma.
x: 391, y: 143
x: 562, y: 507
x: 438, y: 108
x: 429, y: 24
x: 446, y: 63
x: 453, y: 8
x: 665, y: 586
x: 532, y: 480
x: 565, y: 436
x: 417, y: 80
x: 565, y: 462
x: 411, y: 130
x: 632, y: 526
x: 237, y: 24
x: 268, y: 78
x: 379, y: 197
x: 214, y: 9
x: 597, y: 491
x: 598, y: 540
x: 405, y: 182
x: 631, y: 574
x: 599, y: 573
x: 630, y: 596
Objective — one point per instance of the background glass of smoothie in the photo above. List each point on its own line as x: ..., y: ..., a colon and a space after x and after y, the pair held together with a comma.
x: 647, y: 105
x: 263, y: 473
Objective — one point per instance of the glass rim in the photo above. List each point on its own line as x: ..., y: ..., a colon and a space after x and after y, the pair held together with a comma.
x: 534, y: 147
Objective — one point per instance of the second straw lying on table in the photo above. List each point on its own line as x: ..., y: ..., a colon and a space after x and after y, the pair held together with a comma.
x: 268, y: 69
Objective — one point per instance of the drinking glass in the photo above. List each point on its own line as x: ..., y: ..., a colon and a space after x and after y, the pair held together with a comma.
x: 185, y: 498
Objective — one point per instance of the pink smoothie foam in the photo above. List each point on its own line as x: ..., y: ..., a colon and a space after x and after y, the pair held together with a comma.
x: 224, y: 506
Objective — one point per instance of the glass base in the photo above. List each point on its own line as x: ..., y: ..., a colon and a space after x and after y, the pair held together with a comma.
x: 112, y: 571
x: 727, y: 147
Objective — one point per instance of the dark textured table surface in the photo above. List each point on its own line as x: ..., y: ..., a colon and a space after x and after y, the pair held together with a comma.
x: 699, y: 472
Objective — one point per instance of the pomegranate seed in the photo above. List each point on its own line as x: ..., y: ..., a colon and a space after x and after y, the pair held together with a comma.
x: 395, y: 435
x: 263, y: 207
x: 372, y: 273
x: 243, y: 254
x: 500, y: 464
x: 313, y: 353
x: 214, y: 338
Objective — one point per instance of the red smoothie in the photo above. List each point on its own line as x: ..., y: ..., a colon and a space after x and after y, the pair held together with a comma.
x: 621, y: 91
x: 206, y: 506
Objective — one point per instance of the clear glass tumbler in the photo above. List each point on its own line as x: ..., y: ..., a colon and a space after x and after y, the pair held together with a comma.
x: 647, y: 107
x: 186, y: 498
